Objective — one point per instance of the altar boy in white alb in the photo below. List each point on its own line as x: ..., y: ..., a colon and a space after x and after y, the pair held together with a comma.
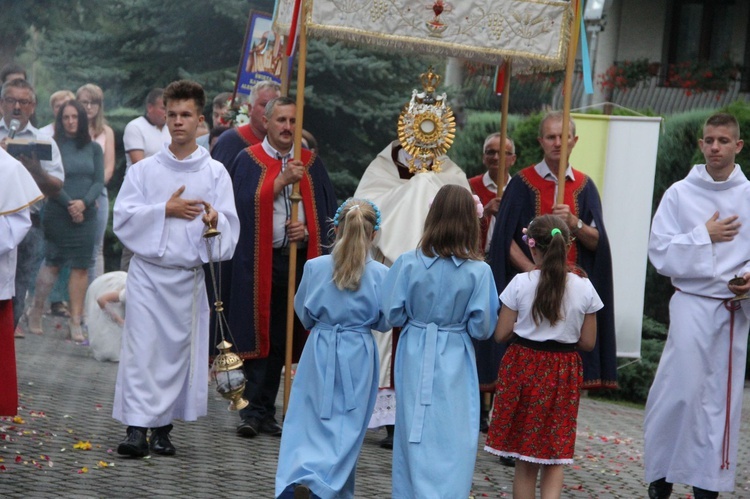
x: 700, y: 238
x: 161, y: 213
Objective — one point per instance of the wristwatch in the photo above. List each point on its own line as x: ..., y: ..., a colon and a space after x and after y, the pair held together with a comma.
x: 579, y: 226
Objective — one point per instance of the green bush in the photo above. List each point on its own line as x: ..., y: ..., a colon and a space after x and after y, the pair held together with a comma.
x: 635, y: 378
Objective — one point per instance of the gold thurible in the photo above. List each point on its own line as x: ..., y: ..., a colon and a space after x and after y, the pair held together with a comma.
x: 227, y: 369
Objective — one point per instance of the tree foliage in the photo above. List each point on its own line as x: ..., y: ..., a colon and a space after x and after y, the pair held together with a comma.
x: 130, y: 46
x: 353, y: 95
x: 353, y: 99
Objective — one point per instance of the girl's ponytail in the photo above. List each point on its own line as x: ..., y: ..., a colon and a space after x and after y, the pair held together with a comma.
x: 551, y: 237
x: 355, y: 222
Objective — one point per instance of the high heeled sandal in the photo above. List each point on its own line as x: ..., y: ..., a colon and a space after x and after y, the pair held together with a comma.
x: 76, y: 332
x: 60, y: 309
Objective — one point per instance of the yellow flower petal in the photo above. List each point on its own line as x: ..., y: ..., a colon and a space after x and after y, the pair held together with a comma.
x: 83, y: 445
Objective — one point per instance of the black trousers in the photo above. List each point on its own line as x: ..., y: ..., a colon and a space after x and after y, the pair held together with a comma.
x: 264, y: 375
x: 30, y: 256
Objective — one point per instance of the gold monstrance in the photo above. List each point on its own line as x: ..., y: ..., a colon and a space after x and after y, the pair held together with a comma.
x: 426, y: 126
x: 226, y: 369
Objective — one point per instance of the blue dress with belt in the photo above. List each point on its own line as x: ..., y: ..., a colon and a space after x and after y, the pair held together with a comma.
x: 441, y: 303
x: 336, y: 383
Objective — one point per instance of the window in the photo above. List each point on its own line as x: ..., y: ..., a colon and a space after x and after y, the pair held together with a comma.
x: 701, y: 30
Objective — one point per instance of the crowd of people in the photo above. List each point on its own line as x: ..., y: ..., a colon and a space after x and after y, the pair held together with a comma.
x: 432, y: 304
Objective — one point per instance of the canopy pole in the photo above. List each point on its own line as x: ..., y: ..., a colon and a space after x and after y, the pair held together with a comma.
x: 502, y: 171
x: 295, y: 199
x: 567, y: 96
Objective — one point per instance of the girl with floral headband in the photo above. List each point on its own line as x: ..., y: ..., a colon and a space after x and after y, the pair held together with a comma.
x: 547, y: 315
x: 336, y: 383
x: 443, y: 295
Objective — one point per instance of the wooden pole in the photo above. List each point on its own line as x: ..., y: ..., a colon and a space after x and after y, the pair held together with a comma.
x: 502, y: 171
x: 295, y: 199
x: 567, y: 91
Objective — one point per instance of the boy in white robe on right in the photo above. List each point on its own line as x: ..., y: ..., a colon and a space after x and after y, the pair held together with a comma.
x: 699, y: 240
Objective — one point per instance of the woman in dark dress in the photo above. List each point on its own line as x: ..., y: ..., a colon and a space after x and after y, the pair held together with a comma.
x: 69, y: 220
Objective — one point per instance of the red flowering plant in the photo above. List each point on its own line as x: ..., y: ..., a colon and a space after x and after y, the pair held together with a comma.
x: 624, y: 75
x: 700, y: 76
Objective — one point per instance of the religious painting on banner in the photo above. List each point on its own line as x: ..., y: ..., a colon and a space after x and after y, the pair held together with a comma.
x: 534, y: 33
x: 263, y: 54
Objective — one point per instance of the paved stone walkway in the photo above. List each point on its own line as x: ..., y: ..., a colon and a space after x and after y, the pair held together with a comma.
x: 66, y: 398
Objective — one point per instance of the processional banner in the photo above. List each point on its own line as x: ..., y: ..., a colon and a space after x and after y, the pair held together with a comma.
x: 533, y: 33
x: 626, y: 187
x: 262, y: 55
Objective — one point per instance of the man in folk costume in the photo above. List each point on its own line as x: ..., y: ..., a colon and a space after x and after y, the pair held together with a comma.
x: 533, y: 192
x: 161, y: 213
x: 18, y: 191
x: 256, y: 303
x: 489, y: 352
x: 232, y: 142
x: 484, y: 186
x: 402, y: 181
x: 700, y: 240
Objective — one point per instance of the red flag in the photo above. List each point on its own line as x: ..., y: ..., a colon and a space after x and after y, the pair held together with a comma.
x: 290, y: 47
x: 500, y: 79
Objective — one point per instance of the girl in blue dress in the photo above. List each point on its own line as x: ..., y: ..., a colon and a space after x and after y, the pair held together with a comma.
x: 547, y: 314
x: 334, y: 390
x: 442, y: 294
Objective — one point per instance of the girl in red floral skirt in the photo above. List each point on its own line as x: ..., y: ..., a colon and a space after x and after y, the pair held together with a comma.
x: 547, y: 315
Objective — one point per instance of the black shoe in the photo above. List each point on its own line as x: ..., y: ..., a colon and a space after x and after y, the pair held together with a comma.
x: 484, y: 425
x: 387, y: 442
x: 269, y: 426
x: 508, y: 461
x: 135, y: 444
x: 249, y: 428
x: 159, y: 442
x: 699, y: 493
x: 302, y: 491
x: 660, y: 489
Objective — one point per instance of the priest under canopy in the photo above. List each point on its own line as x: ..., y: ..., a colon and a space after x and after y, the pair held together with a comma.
x: 402, y: 181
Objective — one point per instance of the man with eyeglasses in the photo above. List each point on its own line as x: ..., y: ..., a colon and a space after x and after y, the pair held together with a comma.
x: 11, y: 71
x: 484, y: 185
x: 18, y: 103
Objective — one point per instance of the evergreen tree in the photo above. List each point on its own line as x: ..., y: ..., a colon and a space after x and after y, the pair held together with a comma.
x: 352, y: 101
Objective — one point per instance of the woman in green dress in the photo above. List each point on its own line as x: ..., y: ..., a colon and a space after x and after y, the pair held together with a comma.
x: 69, y: 220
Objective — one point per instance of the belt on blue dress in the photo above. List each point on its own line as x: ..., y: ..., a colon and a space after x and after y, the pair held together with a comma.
x: 350, y: 402
x: 428, y: 372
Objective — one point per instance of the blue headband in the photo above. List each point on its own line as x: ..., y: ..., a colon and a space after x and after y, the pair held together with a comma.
x: 374, y: 207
